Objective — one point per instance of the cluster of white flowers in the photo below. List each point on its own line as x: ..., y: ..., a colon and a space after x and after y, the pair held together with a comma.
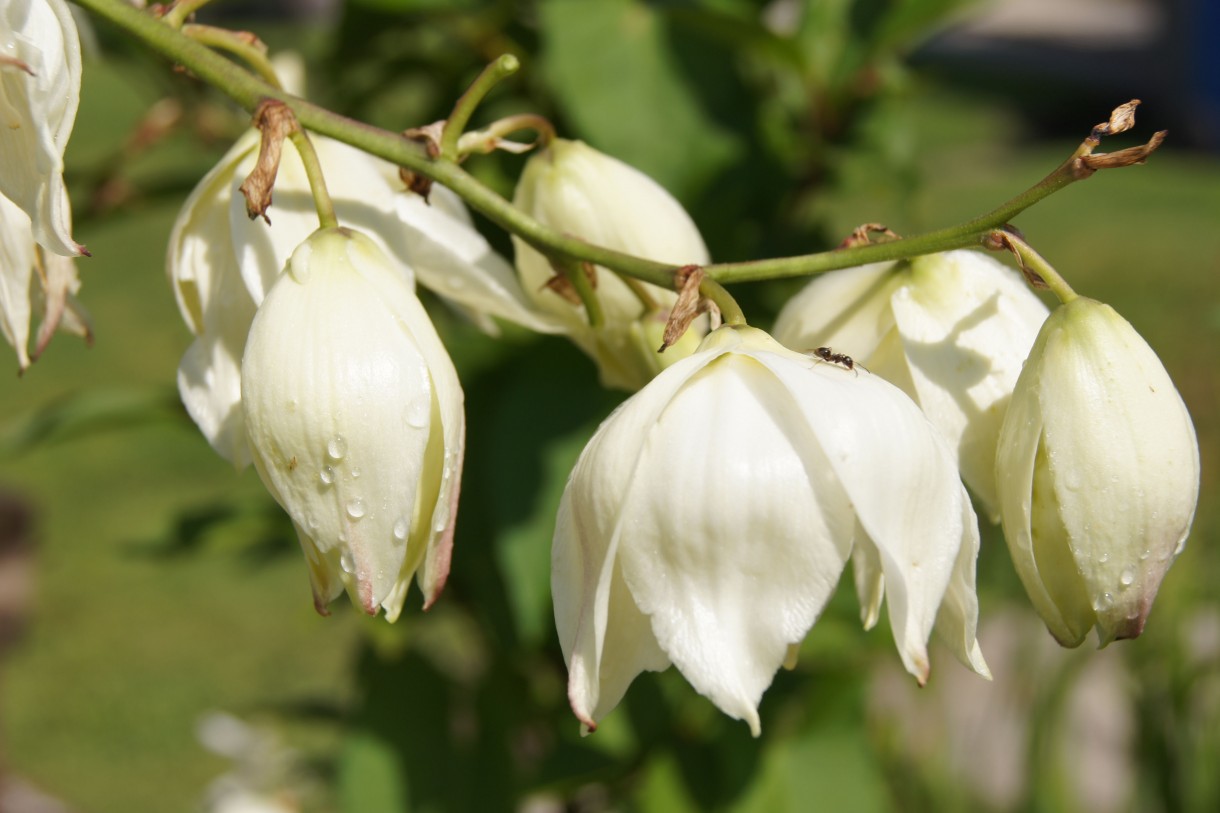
x: 709, y: 519
x: 40, y: 75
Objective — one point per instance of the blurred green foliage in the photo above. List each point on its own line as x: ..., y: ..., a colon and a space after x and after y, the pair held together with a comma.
x: 169, y: 586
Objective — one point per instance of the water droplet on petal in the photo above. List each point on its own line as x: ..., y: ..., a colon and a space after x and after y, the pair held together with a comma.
x: 400, y: 530
x: 1127, y: 578
x: 346, y: 562
x: 1104, y: 602
x: 1144, y: 554
x: 327, y: 474
x: 337, y: 447
x: 418, y: 412
x: 1103, y: 557
x: 355, y: 473
x: 355, y: 508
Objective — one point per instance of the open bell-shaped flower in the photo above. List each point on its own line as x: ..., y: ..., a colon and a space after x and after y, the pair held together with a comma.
x: 950, y: 330
x: 584, y: 193
x: 356, y: 422
x: 221, y: 263
x: 708, y: 520
x: 1098, y: 467
x: 40, y: 73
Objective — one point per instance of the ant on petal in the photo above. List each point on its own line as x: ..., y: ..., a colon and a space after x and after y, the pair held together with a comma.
x: 842, y: 359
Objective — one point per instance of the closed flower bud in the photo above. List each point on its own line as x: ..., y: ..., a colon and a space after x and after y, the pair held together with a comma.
x: 951, y: 330
x: 1098, y: 467
x: 708, y: 520
x: 40, y: 72
x: 355, y: 419
x: 581, y: 192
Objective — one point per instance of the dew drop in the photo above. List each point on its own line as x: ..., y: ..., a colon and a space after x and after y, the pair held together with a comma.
x: 345, y: 562
x: 327, y: 474
x: 400, y: 530
x: 337, y: 447
x: 1144, y: 554
x: 1128, y: 577
x: 441, y: 522
x: 355, y: 508
x: 447, y: 473
x: 418, y: 411
x: 355, y: 473
x: 1103, y: 557
x: 1105, y: 602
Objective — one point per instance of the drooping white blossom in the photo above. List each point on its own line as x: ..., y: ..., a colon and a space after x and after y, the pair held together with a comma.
x: 581, y: 192
x: 40, y: 75
x: 355, y: 419
x: 709, y: 519
x: 221, y: 263
x: 1098, y: 466
x: 951, y: 330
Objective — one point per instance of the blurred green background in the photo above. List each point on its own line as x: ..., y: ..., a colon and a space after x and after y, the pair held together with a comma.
x: 168, y: 586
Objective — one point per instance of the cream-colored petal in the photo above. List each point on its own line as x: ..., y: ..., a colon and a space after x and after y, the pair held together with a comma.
x: 967, y: 323
x: 847, y: 310
x: 450, y: 257
x: 16, y: 276
x: 37, y: 111
x: 901, y: 480
x: 735, y: 532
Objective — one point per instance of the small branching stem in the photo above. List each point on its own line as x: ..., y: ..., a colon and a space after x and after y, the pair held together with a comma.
x: 317, y: 182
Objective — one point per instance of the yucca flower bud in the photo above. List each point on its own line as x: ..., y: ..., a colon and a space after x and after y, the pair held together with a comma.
x: 1098, y: 467
x: 355, y: 420
x: 40, y: 72
x: 579, y: 191
x: 709, y: 518
x: 951, y: 330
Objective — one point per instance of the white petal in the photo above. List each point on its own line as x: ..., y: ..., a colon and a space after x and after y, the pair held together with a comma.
x: 37, y: 113
x: 901, y: 479
x: 733, y: 548
x: 848, y: 310
x: 967, y: 328
x: 1017, y: 454
x: 363, y: 199
x: 450, y: 257
x: 957, y: 621
x: 16, y: 272
x: 602, y: 637
x: 216, y: 305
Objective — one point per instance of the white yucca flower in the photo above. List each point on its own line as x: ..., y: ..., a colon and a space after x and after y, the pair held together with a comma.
x: 355, y: 419
x: 707, y: 523
x: 578, y: 191
x: 221, y: 263
x: 40, y: 73
x: 1098, y: 467
x: 950, y: 330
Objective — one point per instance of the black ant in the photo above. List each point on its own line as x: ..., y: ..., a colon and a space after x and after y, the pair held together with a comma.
x: 828, y: 355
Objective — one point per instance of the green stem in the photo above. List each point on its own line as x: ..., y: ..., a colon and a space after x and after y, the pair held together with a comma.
x: 575, y: 273
x: 181, y: 10
x: 506, y: 65
x: 1035, y: 262
x: 730, y: 311
x: 233, y: 42
x: 489, y: 139
x: 248, y: 91
x: 317, y: 182
x: 965, y: 235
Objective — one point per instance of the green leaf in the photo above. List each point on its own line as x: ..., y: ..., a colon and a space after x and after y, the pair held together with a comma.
x: 613, y: 69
